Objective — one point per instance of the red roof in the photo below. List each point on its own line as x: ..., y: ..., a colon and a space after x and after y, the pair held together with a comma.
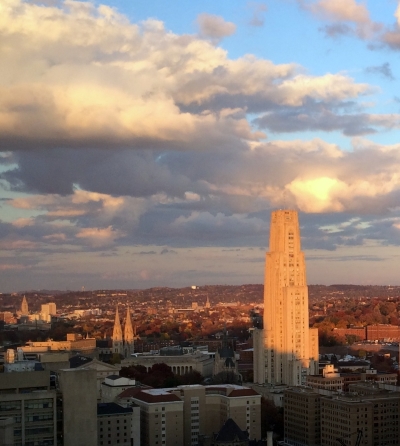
x: 156, y: 397
x: 129, y: 393
x: 243, y: 392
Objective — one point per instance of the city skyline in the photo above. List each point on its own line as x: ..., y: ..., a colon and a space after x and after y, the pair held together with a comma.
x: 146, y: 144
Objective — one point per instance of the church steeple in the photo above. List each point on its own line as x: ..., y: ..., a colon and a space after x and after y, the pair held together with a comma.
x: 128, y: 331
x: 117, y: 334
x: 128, y: 334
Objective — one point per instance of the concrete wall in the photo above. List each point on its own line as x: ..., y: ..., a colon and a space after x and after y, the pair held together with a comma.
x: 79, y: 392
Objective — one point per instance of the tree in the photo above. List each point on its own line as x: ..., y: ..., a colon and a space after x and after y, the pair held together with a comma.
x: 193, y: 377
x: 225, y: 378
x: 271, y: 418
x: 115, y: 359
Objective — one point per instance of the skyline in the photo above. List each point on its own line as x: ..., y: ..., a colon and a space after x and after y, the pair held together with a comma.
x: 145, y: 144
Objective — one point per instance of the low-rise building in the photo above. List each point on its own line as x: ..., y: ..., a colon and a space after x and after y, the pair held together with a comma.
x: 179, y: 364
x: 113, y: 385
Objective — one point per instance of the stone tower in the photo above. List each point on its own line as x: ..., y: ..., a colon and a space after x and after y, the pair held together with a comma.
x: 24, y: 307
x: 129, y: 335
x: 117, y: 340
x: 287, y: 349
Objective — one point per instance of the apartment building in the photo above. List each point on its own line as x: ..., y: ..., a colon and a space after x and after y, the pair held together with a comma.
x: 179, y: 416
x: 114, y: 425
x: 366, y: 413
x: 29, y: 405
x: 302, y: 417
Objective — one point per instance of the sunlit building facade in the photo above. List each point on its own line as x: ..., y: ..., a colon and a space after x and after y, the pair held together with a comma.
x: 286, y: 350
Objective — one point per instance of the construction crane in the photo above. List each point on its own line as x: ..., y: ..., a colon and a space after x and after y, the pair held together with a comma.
x: 359, y: 433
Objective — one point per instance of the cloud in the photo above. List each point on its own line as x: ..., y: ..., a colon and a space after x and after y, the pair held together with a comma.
x: 315, y: 116
x: 168, y: 251
x: 128, y: 135
x: 384, y: 69
x: 258, y: 10
x: 214, y: 27
x: 347, y: 17
x: 98, y: 237
x: 340, y: 10
x: 98, y: 81
x: 391, y: 37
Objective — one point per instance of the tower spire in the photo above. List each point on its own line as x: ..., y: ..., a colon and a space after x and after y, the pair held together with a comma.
x: 117, y: 334
x: 128, y: 331
x: 128, y: 334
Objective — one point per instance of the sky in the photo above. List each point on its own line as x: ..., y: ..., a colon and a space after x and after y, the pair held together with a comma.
x: 145, y: 143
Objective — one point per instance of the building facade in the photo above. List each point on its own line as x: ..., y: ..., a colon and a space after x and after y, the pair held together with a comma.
x: 290, y: 348
x: 79, y: 406
x: 180, y: 365
x: 114, y: 425
x: 302, y: 417
x: 366, y: 416
x: 27, y: 400
x: 181, y: 416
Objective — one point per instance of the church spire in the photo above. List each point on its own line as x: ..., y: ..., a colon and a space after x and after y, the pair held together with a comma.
x: 117, y: 334
x: 128, y: 335
x: 128, y: 331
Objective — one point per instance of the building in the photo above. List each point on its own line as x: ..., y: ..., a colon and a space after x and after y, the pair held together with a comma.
x: 366, y: 414
x: 373, y: 412
x: 27, y: 399
x: 183, y: 415
x: 79, y: 406
x: 74, y: 343
x: 289, y: 348
x: 6, y: 431
x: 48, y: 310
x: 113, y: 385
x: 123, y: 345
x: 230, y: 434
x: 161, y: 417
x: 302, y: 417
x: 114, y: 425
x: 225, y: 359
x: 180, y: 364
x: 382, y: 332
x: 24, y: 307
x: 330, y: 380
x: 102, y: 370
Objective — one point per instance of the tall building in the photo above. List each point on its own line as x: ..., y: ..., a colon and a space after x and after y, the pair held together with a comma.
x: 288, y: 350
x: 48, y: 310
